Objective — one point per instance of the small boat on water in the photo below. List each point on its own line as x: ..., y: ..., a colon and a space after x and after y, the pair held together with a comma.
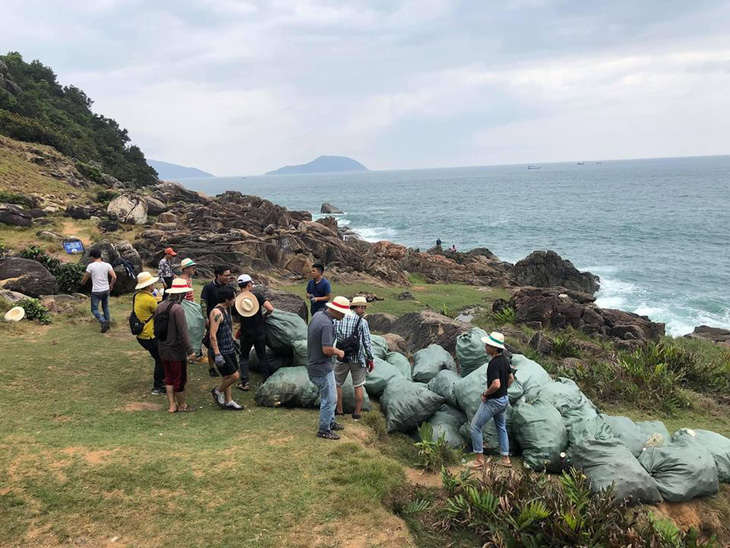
x: 581, y: 163
x: 534, y: 167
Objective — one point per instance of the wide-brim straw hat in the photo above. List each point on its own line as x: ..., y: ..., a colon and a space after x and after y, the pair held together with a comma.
x: 178, y: 286
x: 145, y: 279
x: 340, y: 304
x: 495, y: 339
x: 247, y: 304
x: 15, y: 314
x: 358, y: 301
x: 186, y: 263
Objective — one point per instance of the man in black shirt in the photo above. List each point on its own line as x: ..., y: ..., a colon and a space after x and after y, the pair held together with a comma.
x: 494, y: 401
x: 251, y: 310
x: 208, y: 301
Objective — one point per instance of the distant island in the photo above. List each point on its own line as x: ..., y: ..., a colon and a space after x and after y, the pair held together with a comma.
x: 323, y: 164
x: 167, y: 171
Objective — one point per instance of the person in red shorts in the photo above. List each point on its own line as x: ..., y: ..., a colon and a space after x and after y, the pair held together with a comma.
x: 175, y: 349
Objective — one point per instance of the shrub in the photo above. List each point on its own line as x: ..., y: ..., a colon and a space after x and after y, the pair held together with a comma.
x: 504, y: 316
x: 106, y: 196
x: 17, y: 199
x: 2, y: 251
x: 68, y: 275
x: 565, y: 347
x: 34, y: 310
x: 35, y: 253
x: 433, y: 455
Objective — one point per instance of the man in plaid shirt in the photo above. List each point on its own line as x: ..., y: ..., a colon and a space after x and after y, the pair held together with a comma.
x: 358, y: 364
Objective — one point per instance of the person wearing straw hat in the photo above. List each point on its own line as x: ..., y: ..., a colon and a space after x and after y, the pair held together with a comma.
x: 164, y: 269
x: 494, y: 401
x: 15, y: 314
x: 321, y: 339
x: 144, y: 305
x: 251, y: 310
x: 188, y: 269
x: 358, y: 360
x: 175, y: 348
x: 224, y: 349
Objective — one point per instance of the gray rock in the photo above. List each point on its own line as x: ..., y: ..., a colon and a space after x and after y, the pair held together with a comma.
x: 283, y: 300
x: 419, y: 329
x: 128, y: 208
x: 78, y: 212
x: 154, y: 206
x: 548, y: 269
x: 12, y: 296
x: 714, y: 334
x: 329, y: 208
x: 26, y: 276
x: 404, y: 296
x: 14, y: 215
x: 382, y: 323
x: 48, y: 235
x: 541, y: 343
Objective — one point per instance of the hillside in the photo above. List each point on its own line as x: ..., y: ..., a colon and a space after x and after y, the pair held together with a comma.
x: 323, y: 164
x: 171, y: 172
x: 36, y: 108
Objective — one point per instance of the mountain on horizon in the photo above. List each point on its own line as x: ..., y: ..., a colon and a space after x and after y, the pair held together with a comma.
x: 166, y: 171
x: 323, y: 164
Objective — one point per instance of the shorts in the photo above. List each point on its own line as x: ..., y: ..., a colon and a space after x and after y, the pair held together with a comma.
x: 357, y: 370
x: 176, y: 374
x: 230, y: 367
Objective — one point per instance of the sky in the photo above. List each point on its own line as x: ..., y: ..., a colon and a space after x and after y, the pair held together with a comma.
x: 242, y: 87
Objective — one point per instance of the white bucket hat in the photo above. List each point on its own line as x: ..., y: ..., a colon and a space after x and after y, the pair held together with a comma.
x: 186, y: 263
x: 358, y: 301
x: 178, y: 286
x: 340, y: 304
x: 144, y: 279
x: 495, y: 339
x: 15, y: 314
x: 247, y: 304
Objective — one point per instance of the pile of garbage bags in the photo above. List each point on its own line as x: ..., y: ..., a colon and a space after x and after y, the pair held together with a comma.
x: 550, y: 422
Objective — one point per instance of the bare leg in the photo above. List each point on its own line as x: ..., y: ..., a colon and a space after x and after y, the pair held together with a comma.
x: 180, y: 397
x: 339, y: 400
x: 171, y: 398
x: 226, y: 384
x: 359, y: 397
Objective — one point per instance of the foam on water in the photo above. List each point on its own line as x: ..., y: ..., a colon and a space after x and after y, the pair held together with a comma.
x: 376, y: 234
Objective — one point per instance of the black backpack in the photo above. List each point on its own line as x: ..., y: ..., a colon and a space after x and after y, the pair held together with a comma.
x: 161, y: 322
x: 351, y: 345
x: 136, y: 326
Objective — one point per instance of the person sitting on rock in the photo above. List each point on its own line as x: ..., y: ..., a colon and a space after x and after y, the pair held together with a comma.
x: 100, y: 273
x: 208, y: 301
x: 318, y: 289
x: 224, y: 350
x: 357, y: 361
x: 164, y: 269
x: 188, y: 269
x: 252, y: 309
x: 494, y: 401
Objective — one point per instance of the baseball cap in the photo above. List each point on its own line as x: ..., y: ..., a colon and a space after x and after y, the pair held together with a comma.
x: 244, y: 279
x: 169, y: 251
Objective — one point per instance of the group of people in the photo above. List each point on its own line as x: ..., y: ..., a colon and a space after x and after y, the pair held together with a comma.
x: 339, y: 343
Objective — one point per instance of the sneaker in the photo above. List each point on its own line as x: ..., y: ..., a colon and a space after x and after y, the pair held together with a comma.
x: 105, y: 326
x: 336, y: 426
x: 212, y: 372
x: 330, y: 435
x: 158, y: 392
x: 218, y: 398
x: 356, y: 417
x: 233, y: 406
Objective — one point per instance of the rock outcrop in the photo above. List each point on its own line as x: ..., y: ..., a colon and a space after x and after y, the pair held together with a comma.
x: 419, y: 329
x: 26, y: 276
x: 283, y: 300
x: 14, y: 215
x: 110, y: 252
x: 329, y: 208
x: 154, y: 206
x: 548, y: 269
x: 713, y: 334
x: 128, y: 208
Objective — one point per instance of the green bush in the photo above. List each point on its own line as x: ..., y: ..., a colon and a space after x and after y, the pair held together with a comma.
x: 34, y: 310
x: 68, y: 275
x: 565, y: 347
x: 434, y: 454
x: 505, y: 316
x: 106, y: 196
x: 35, y: 253
x: 17, y: 199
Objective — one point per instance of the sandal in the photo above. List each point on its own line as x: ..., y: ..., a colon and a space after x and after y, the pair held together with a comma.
x: 505, y: 464
x: 474, y: 465
x: 243, y: 386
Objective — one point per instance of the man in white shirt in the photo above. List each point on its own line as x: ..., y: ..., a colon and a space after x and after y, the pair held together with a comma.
x: 100, y: 274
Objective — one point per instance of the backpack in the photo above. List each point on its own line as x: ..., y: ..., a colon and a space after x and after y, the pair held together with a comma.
x: 136, y: 326
x: 162, y: 321
x: 351, y: 345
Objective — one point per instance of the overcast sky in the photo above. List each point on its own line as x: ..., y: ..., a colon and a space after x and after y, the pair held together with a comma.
x: 241, y: 87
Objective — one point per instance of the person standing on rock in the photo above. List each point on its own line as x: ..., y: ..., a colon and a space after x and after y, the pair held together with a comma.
x: 318, y: 289
x: 251, y: 310
x: 358, y: 359
x: 100, y: 273
x: 494, y: 401
x: 171, y: 332
x: 224, y: 350
x: 208, y: 301
x: 164, y: 269
x: 321, y: 349
x: 188, y: 269
x: 144, y: 305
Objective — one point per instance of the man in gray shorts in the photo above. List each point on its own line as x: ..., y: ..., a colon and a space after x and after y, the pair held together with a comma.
x: 358, y: 360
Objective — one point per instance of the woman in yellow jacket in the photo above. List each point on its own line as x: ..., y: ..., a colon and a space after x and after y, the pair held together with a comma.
x: 145, y: 304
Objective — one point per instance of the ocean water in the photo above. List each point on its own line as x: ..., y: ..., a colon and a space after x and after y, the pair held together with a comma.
x: 655, y: 231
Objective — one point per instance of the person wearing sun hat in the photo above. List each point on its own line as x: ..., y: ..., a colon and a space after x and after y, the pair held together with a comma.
x: 321, y: 339
x: 494, y: 401
x: 164, y: 269
x: 188, y: 269
x: 251, y: 310
x: 144, y: 305
x: 175, y: 350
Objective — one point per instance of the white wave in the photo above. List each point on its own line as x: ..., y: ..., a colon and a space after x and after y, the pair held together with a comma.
x: 610, y: 302
x: 375, y: 234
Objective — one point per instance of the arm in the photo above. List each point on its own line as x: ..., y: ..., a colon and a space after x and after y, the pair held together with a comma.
x: 323, y: 299
x: 269, y: 309
x: 85, y: 278
x: 332, y: 351
x: 510, y: 380
x: 215, y: 321
x: 328, y: 343
x: 113, y: 276
x: 367, y: 340
x: 496, y: 385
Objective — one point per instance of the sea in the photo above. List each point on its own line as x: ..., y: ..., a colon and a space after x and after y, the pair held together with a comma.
x: 656, y: 231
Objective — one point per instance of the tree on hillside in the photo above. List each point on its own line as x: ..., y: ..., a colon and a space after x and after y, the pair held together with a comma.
x: 34, y: 107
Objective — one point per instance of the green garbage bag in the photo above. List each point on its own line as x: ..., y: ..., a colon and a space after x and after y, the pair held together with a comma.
x: 380, y: 376
x: 276, y: 361
x: 716, y: 444
x: 657, y: 434
x: 407, y: 404
x: 429, y: 361
x: 530, y: 377
x: 299, y: 353
x: 401, y: 362
x: 283, y: 329
x: 540, y: 431
x: 348, y: 397
x: 443, y: 384
x: 196, y: 323
x: 590, y: 427
x: 380, y: 346
x: 447, y: 421
x: 468, y: 391
x: 683, y: 470
x: 288, y: 387
x: 628, y: 432
x: 470, y: 351
x: 607, y: 462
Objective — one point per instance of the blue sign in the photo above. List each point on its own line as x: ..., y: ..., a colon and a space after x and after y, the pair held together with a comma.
x: 73, y: 246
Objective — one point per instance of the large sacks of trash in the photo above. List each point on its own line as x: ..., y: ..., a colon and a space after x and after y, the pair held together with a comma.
x: 407, y: 405
x: 428, y: 362
x: 288, y: 387
x: 470, y: 351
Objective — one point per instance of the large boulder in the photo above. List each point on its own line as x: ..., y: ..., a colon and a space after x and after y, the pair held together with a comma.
x: 154, y: 206
x: 26, y: 276
x: 169, y: 193
x: 110, y: 252
x: 548, y: 269
x: 381, y: 323
x: 128, y: 208
x: 713, y: 334
x: 421, y: 329
x: 14, y: 215
x: 329, y: 208
x: 283, y: 300
x: 78, y: 212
